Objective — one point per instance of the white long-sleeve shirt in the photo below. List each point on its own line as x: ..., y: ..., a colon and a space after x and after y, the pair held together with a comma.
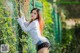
x: 32, y: 28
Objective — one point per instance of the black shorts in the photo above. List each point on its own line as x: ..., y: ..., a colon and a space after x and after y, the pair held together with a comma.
x: 42, y: 45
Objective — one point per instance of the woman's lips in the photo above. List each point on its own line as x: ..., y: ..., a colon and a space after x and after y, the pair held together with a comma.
x: 31, y: 16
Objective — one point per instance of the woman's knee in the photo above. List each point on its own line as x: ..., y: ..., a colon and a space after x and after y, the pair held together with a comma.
x: 44, y: 50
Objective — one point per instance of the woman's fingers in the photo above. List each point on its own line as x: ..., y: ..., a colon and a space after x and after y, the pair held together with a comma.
x: 18, y: 16
x: 21, y: 13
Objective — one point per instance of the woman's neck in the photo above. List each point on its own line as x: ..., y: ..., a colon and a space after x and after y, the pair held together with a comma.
x: 33, y: 20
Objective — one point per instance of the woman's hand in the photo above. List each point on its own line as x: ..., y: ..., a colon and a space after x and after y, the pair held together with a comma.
x: 21, y: 14
x: 18, y: 16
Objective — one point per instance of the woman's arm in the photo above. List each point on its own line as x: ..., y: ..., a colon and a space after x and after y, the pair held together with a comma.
x: 22, y: 17
x: 28, y: 28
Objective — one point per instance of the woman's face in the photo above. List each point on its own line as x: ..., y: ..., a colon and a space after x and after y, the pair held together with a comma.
x: 34, y: 14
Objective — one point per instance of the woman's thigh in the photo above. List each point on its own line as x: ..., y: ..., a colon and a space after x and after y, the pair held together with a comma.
x: 44, y: 50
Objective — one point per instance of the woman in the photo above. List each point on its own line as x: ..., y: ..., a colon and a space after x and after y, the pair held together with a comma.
x: 34, y: 27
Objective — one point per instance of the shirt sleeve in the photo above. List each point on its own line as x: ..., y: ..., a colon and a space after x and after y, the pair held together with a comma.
x: 26, y: 23
x: 31, y: 26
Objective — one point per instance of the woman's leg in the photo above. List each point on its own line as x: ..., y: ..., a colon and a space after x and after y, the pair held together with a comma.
x: 44, y: 50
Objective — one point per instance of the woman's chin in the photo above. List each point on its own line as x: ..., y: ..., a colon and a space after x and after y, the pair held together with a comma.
x: 32, y: 18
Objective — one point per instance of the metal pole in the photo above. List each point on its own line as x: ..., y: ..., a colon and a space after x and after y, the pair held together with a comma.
x: 57, y: 23
x: 33, y: 3
x: 19, y: 30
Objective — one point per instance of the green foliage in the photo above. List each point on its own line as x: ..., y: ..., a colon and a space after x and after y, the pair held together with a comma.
x: 7, y: 33
x: 70, y: 39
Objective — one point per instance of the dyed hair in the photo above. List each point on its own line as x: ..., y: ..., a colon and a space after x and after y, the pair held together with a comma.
x: 40, y: 19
